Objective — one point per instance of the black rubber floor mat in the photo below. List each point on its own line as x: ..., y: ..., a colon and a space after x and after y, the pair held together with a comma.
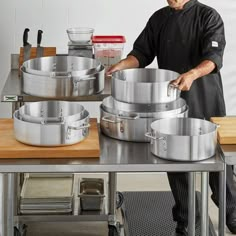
x: 150, y: 214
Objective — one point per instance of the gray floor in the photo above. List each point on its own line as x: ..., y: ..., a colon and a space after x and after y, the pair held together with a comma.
x: 126, y: 182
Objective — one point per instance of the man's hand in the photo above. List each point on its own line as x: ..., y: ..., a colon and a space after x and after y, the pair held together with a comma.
x: 127, y: 63
x: 184, y: 81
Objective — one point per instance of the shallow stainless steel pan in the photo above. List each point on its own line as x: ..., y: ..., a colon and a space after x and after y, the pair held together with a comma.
x: 129, y: 128
x: 183, y: 139
x: 61, y: 66
x: 62, y: 86
x: 52, y: 133
x: 158, y: 110
x: 144, y: 85
x: 51, y: 111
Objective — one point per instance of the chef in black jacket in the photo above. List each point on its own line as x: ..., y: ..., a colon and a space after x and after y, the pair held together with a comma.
x: 188, y: 37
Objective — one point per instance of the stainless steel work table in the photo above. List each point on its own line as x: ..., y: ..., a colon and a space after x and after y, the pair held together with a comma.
x: 119, y: 156
x: 116, y: 156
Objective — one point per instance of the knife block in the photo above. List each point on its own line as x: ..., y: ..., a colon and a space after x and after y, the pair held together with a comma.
x: 47, y: 51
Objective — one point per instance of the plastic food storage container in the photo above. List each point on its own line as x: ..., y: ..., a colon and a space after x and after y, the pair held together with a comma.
x: 80, y: 34
x: 91, y: 194
x: 108, y: 48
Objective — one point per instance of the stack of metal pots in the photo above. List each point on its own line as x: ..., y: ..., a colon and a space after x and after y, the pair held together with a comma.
x: 139, y: 97
x: 51, y: 123
x: 62, y: 76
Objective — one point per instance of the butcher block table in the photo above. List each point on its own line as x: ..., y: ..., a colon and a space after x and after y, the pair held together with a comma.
x: 227, y: 137
x: 11, y: 148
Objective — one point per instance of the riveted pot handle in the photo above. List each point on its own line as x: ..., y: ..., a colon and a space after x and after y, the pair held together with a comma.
x: 109, y: 120
x: 132, y: 117
x: 58, y: 75
x: 79, y: 128
x: 171, y: 88
x: 149, y: 135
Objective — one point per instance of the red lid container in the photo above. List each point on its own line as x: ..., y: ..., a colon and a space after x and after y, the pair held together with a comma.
x: 108, y: 39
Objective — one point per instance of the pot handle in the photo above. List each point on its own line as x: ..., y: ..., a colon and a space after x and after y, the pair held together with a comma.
x: 51, y: 121
x: 149, y: 135
x: 58, y: 75
x: 134, y: 117
x: 171, y: 88
x: 109, y: 120
x: 79, y: 128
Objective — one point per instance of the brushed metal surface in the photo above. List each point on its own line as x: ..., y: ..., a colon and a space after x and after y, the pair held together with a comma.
x: 183, y: 139
x: 144, y: 85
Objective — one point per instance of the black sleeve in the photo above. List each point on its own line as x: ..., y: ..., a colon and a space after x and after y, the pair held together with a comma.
x: 143, y: 48
x: 213, y: 40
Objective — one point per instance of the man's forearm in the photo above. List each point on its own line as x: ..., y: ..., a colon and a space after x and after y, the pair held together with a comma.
x: 129, y: 62
x: 204, y: 68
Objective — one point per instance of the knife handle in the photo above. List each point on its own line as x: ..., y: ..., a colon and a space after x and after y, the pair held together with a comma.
x: 39, y: 38
x: 25, y: 37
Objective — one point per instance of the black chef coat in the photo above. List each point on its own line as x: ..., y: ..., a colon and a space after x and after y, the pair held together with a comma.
x: 181, y: 40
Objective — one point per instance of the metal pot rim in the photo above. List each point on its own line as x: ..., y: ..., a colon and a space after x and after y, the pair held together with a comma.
x: 115, y: 107
x: 96, y: 67
x: 154, y: 130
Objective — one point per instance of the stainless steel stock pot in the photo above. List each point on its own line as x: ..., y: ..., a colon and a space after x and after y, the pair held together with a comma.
x: 53, y: 126
x: 183, y: 139
x: 56, y: 83
x: 144, y: 86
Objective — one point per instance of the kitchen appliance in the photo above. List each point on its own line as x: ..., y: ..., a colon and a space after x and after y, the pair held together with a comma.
x: 80, y: 49
x: 80, y: 44
x: 144, y: 86
x: 39, y: 52
x: 183, y: 139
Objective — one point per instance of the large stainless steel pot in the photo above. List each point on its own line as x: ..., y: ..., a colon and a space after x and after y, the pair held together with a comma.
x: 62, y: 86
x: 61, y: 66
x: 51, y: 111
x: 129, y: 128
x: 183, y: 139
x: 144, y: 86
x: 158, y: 110
x: 51, y: 134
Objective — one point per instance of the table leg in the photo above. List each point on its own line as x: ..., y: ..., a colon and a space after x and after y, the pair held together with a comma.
x: 10, y: 204
x: 204, y: 204
x: 112, y: 197
x: 222, y: 201
x: 191, y: 203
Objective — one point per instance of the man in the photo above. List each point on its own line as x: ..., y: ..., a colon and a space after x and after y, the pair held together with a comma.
x: 188, y: 37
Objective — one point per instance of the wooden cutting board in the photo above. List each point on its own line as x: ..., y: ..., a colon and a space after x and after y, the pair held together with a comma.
x: 11, y: 148
x: 227, y: 130
x: 47, y: 52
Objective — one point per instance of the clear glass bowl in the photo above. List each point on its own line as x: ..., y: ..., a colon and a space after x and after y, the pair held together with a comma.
x: 80, y: 34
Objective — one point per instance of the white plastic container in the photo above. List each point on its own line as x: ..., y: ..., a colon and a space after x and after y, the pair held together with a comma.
x: 108, y: 48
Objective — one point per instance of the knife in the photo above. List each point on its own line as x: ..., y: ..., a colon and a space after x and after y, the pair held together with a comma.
x: 27, y: 46
x: 39, y: 48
